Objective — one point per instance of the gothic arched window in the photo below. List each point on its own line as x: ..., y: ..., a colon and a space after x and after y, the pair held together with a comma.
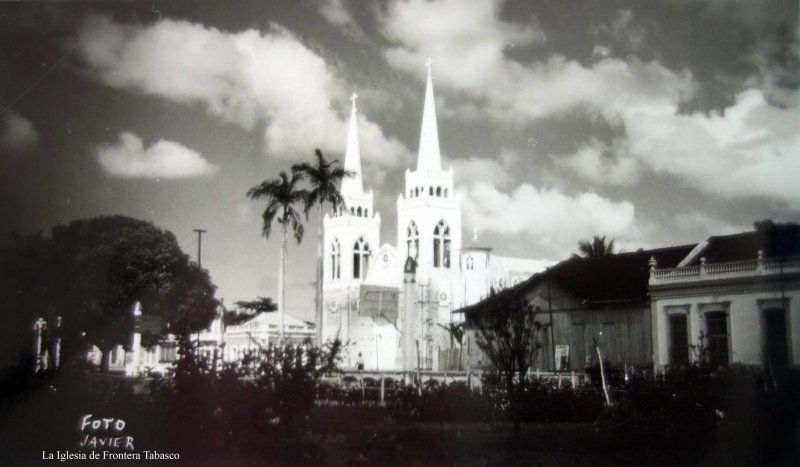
x: 366, y: 212
x: 445, y: 192
x: 439, y: 191
x: 430, y: 191
x: 336, y: 260
x: 360, y: 258
x: 412, y: 241
x: 358, y: 211
x: 441, y: 245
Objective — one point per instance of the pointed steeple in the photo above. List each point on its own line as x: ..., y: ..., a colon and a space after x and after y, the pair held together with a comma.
x: 429, y: 158
x: 352, y: 158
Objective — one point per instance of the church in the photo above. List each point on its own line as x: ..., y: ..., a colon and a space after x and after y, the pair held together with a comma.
x: 393, y: 304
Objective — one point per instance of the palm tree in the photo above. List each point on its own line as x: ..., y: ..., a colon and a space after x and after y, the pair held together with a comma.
x: 281, y: 194
x: 323, y: 177
x: 597, y: 247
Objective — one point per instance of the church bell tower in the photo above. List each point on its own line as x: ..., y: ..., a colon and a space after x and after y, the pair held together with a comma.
x: 351, y: 235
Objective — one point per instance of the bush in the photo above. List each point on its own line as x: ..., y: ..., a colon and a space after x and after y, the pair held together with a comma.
x: 735, y: 409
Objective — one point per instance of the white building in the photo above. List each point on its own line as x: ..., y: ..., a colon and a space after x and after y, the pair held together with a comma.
x: 389, y: 323
x: 741, y: 293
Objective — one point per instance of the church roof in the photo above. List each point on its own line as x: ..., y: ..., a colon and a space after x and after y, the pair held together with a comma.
x: 429, y: 158
x: 352, y: 157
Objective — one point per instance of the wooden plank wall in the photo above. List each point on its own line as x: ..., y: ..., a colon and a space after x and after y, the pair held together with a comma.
x: 623, y: 335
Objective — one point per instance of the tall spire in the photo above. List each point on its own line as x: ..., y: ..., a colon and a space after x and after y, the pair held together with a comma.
x: 429, y: 158
x: 352, y: 158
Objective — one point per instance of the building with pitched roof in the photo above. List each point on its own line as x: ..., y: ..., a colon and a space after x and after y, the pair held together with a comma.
x: 728, y: 299
x: 600, y: 300
x: 733, y: 298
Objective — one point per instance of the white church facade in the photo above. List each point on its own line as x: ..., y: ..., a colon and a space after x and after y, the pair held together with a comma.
x: 391, y: 320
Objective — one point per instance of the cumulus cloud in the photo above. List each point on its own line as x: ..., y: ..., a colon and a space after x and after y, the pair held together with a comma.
x: 247, y: 78
x: 464, y: 35
x: 17, y: 132
x: 552, y: 221
x: 623, y: 30
x: 748, y: 150
x: 706, y: 225
x: 459, y: 34
x: 335, y: 12
x: 600, y: 163
x: 128, y: 158
x: 475, y: 169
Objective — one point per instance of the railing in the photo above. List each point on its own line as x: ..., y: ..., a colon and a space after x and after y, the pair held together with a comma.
x: 732, y: 269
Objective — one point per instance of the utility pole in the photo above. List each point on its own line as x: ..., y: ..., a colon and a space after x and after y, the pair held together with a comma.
x: 200, y: 233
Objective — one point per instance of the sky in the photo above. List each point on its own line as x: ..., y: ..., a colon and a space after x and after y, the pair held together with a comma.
x: 652, y: 123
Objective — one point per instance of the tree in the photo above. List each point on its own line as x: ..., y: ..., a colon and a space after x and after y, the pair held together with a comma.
x: 104, y: 265
x: 247, y: 311
x: 597, y: 247
x: 24, y: 274
x: 508, y: 335
x: 323, y: 178
x: 281, y: 195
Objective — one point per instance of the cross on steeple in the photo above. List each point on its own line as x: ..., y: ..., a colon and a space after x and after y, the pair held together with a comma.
x: 428, y: 64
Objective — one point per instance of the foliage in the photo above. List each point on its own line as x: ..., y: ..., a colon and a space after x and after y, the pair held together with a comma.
x: 596, y: 247
x: 85, y: 280
x: 689, y: 406
x: 323, y: 178
x: 281, y: 194
x: 254, y: 411
x: 247, y: 311
x: 24, y: 278
x: 508, y: 335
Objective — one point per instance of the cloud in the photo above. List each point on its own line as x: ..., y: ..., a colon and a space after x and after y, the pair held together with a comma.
x: 465, y: 38
x: 705, y: 224
x: 622, y: 30
x: 468, y: 41
x: 248, y: 78
x: 128, y: 158
x: 552, y: 221
x: 335, y: 12
x: 750, y: 150
x: 17, y: 132
x: 475, y: 169
x: 599, y: 163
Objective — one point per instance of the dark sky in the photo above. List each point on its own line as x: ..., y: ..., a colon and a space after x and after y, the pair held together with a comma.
x: 653, y: 123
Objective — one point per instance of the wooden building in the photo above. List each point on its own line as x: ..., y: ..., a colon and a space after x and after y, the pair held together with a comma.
x: 599, y: 301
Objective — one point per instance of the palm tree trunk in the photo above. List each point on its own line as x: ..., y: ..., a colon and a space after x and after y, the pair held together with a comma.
x: 282, y: 285
x: 318, y: 302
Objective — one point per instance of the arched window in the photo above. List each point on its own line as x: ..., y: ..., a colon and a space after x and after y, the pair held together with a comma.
x: 366, y: 212
x: 445, y: 192
x: 441, y: 245
x: 439, y: 191
x: 336, y: 260
x: 358, y: 212
x: 470, y: 263
x: 412, y: 241
x: 352, y: 210
x: 430, y: 191
x: 416, y: 192
x: 360, y: 258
